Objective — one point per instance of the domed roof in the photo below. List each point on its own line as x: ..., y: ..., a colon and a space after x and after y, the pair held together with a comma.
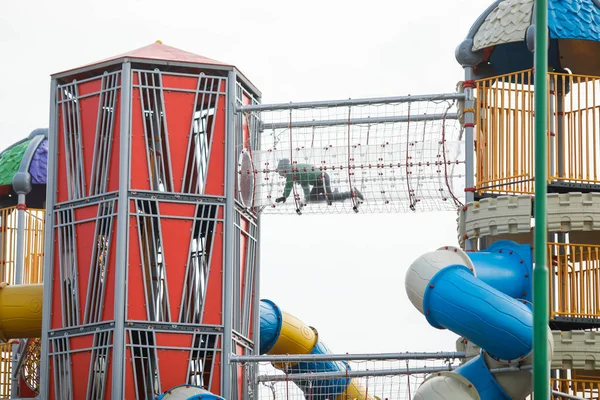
x: 501, y: 39
x: 27, y: 155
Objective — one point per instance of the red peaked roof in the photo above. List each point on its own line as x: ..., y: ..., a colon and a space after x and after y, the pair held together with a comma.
x: 159, y: 51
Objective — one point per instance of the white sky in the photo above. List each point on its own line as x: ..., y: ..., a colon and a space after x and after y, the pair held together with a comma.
x: 344, y: 274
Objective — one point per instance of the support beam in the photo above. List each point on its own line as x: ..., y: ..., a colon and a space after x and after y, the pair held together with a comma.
x: 541, y: 364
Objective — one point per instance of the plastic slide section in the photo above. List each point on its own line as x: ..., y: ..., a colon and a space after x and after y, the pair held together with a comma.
x: 483, y: 297
x: 188, y: 392
x: 20, y: 311
x: 282, y: 333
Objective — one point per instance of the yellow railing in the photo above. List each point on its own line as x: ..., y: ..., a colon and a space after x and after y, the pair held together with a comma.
x: 575, y: 280
x: 588, y: 389
x: 34, y: 257
x: 505, y: 130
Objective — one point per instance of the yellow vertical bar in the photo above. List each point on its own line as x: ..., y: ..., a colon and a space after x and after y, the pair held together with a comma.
x: 580, y: 148
x: 594, y: 130
x: 523, y: 132
x: 551, y: 247
x: 530, y: 134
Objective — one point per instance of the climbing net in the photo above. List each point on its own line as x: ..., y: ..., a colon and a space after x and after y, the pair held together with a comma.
x: 385, y: 379
x: 374, y: 155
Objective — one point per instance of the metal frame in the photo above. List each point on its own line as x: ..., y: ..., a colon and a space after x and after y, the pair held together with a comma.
x: 292, y: 358
x: 351, y: 102
x: 359, y: 121
x: 229, y: 259
x: 118, y: 367
x: 49, y: 243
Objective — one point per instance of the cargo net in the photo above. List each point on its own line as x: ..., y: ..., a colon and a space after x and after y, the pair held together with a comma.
x: 386, y: 379
x: 380, y: 155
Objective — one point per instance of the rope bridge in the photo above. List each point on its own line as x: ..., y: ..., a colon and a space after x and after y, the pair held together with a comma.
x: 396, y: 154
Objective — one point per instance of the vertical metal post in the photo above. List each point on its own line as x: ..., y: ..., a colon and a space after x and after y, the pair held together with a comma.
x: 469, y: 125
x: 541, y: 367
x: 552, y: 127
x: 228, y: 267
x: 256, y: 309
x: 49, y: 243
x: 560, y: 125
x: 118, y: 359
x: 18, y: 280
x: 20, y: 262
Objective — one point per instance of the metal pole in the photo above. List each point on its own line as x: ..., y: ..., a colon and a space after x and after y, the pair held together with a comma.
x: 541, y: 365
x: 229, y: 259
x: 284, y: 358
x: 118, y: 359
x: 359, y: 121
x: 18, y: 280
x: 469, y: 124
x: 20, y: 264
x: 350, y: 102
x: 49, y: 244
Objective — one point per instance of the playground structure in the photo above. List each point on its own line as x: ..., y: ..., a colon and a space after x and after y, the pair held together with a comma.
x: 158, y: 164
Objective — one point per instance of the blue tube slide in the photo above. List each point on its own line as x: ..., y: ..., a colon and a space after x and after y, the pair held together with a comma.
x: 281, y: 333
x: 478, y: 373
x: 505, y: 266
x: 456, y: 300
x: 483, y: 296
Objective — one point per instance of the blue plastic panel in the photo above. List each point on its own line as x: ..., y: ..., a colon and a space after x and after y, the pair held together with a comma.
x: 270, y: 325
x: 458, y: 301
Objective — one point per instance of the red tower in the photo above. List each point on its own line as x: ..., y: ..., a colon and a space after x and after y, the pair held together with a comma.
x: 151, y: 252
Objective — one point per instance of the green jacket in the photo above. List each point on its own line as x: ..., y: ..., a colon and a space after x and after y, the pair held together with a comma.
x: 303, y: 174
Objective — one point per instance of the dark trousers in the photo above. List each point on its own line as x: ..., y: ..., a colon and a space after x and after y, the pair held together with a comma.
x: 322, y: 186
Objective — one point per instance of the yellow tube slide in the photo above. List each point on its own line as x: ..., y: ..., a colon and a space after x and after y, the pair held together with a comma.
x: 282, y: 333
x: 20, y: 311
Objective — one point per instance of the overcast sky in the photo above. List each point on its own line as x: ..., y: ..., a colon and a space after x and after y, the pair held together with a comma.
x: 343, y: 274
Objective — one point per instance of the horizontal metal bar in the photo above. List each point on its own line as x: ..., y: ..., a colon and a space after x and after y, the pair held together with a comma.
x: 566, y: 395
x: 443, y: 355
x: 351, y: 374
x: 360, y: 121
x: 351, y: 102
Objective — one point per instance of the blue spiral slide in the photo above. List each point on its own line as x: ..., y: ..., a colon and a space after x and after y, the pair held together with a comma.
x: 484, y: 297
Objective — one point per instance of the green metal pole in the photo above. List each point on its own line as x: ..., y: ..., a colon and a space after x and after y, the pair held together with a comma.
x: 541, y: 367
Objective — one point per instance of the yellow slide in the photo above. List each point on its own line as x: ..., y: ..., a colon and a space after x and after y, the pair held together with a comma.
x: 20, y: 311
x: 282, y: 333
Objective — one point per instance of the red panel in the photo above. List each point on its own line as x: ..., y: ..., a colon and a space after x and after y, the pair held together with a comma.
x: 87, y: 212
x: 180, y: 82
x: 113, y: 173
x: 129, y: 375
x: 173, y: 365
x: 214, y: 292
x: 139, y: 174
x: 215, y: 386
x: 243, y: 257
x: 62, y: 193
x: 216, y: 165
x: 86, y: 242
x: 108, y: 311
x: 89, y: 116
x: 51, y: 386
x: 136, y: 300
x: 245, y: 129
x: 240, y: 372
x: 176, y: 243
x: 81, y: 342
x: 179, y: 111
x: 56, y: 297
x: 93, y: 86
x: 177, y: 209
x: 24, y: 390
x: 173, y: 339
x: 80, y: 364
